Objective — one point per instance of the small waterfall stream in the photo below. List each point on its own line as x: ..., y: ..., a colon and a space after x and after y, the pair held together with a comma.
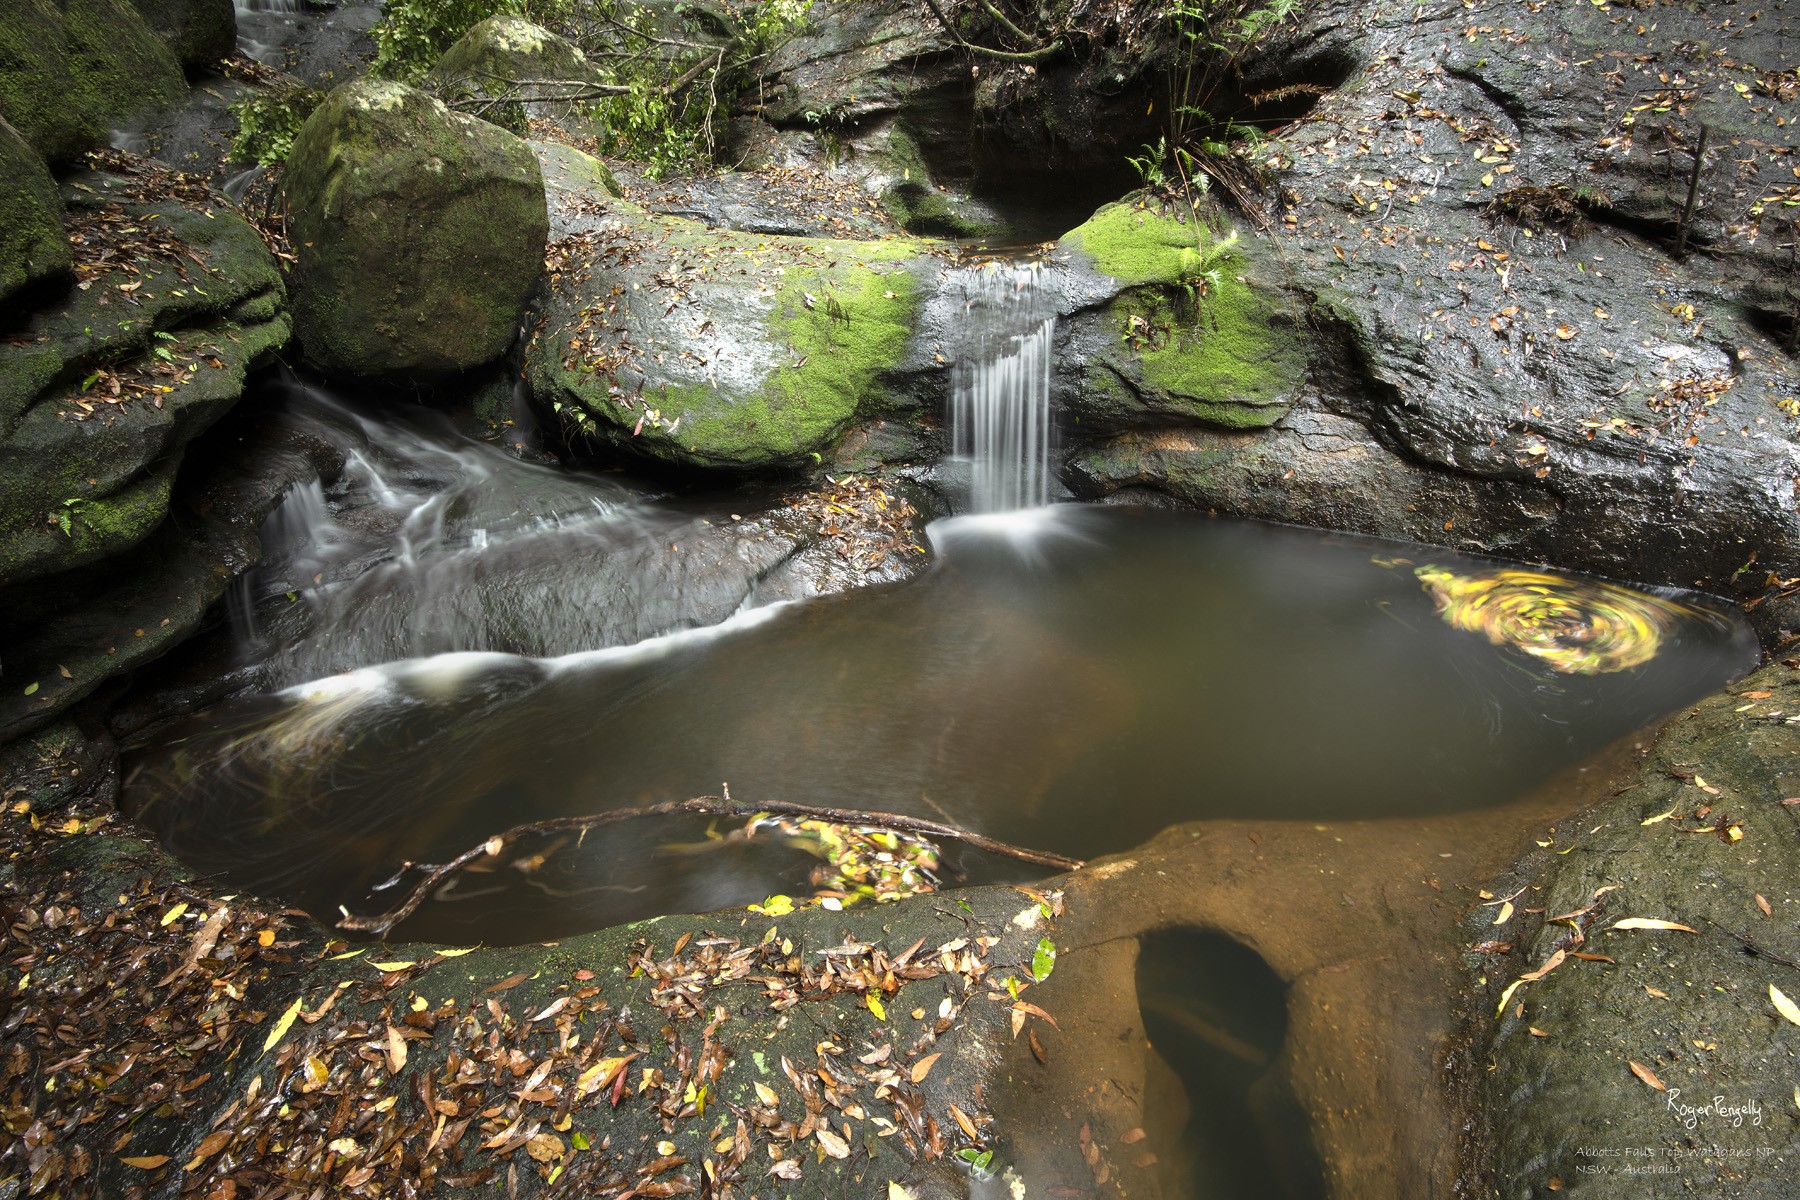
x: 1000, y: 411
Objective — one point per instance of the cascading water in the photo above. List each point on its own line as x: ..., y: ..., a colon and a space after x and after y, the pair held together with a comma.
x: 1000, y: 411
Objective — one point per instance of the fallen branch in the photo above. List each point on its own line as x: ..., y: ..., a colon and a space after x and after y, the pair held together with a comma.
x: 699, y: 806
x: 1035, y: 54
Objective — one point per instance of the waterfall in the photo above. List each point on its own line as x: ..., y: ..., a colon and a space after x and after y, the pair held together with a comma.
x: 1000, y: 411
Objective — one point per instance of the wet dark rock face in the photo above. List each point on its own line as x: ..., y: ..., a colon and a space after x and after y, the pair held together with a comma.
x: 1512, y: 351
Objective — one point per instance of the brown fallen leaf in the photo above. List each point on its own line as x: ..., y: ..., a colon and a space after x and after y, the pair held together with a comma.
x: 1131, y: 1137
x: 511, y: 981
x: 1647, y: 1075
x: 1657, y: 992
x: 1550, y: 964
x: 147, y: 1162
x: 396, y: 1050
x: 1764, y: 905
x: 968, y: 1126
x: 212, y: 1143
x: 922, y: 1068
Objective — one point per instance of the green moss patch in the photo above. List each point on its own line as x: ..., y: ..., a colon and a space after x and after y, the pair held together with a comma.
x: 1201, y: 335
x: 722, y: 349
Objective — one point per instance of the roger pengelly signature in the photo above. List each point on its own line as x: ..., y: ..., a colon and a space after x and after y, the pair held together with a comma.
x: 1715, y: 1109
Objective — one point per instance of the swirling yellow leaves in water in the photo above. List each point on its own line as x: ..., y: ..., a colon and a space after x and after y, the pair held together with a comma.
x: 1575, y: 628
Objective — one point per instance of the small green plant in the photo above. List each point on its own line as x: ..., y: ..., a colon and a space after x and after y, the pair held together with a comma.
x: 268, y: 123
x: 69, y: 514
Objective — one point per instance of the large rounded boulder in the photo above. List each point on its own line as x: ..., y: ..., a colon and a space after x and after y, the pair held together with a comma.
x: 32, y: 245
x: 419, y: 233
x: 71, y: 72
x: 518, y: 70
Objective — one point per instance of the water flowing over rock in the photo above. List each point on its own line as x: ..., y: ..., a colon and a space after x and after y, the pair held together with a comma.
x: 419, y: 233
x: 1000, y: 408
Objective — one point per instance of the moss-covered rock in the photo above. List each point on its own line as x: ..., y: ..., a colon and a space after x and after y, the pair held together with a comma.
x: 70, y: 72
x: 493, y: 60
x: 419, y: 233
x: 103, y: 389
x: 719, y: 349
x: 1201, y: 333
x: 199, y: 32
x: 32, y: 244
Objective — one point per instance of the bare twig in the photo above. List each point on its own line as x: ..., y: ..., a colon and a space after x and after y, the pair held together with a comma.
x: 700, y: 806
x: 1036, y: 54
x: 1693, y: 194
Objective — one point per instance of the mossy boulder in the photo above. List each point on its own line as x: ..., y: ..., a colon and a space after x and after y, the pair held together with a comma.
x: 199, y: 32
x: 32, y: 243
x: 723, y: 350
x: 1201, y: 332
x: 72, y: 71
x: 100, y: 391
x: 524, y: 70
x: 419, y: 233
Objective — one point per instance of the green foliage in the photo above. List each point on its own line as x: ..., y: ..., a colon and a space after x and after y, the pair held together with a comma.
x: 269, y: 121
x: 670, y: 128
x: 1212, y: 37
x: 413, y: 34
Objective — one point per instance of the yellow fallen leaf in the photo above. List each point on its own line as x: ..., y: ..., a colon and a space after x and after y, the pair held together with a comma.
x: 601, y: 1074
x: 1564, y: 333
x: 392, y: 966
x: 174, y: 914
x: 283, y: 1025
x: 1647, y: 1075
x: 349, y: 954
x: 1783, y: 1005
x: 1657, y: 818
x: 1507, y: 995
x: 875, y: 1006
x: 1505, y: 913
x: 1651, y: 923
x: 896, y: 1192
x: 452, y: 953
x: 265, y: 937
x: 766, y: 1094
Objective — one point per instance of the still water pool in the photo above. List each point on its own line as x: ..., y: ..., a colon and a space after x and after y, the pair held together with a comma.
x: 1070, y: 678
